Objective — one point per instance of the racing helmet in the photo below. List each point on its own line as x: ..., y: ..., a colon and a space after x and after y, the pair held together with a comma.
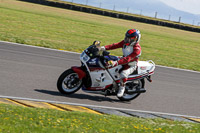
x: 132, y: 37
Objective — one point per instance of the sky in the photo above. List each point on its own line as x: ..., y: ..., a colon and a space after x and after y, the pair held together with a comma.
x: 191, y: 6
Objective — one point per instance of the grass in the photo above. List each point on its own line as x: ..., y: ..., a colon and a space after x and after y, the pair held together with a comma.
x: 56, y: 28
x: 22, y: 119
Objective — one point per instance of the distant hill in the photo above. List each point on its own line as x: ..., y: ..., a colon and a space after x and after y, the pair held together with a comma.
x: 144, y: 7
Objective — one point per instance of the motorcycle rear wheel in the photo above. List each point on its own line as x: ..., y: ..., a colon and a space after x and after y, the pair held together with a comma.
x: 69, y: 82
x: 137, y: 85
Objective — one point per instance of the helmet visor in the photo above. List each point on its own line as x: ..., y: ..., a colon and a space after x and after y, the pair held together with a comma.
x: 127, y: 39
x: 130, y: 40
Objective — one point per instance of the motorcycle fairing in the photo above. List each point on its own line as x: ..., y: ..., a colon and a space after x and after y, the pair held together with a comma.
x: 144, y: 69
x: 139, y: 76
x: 101, y: 79
x: 79, y: 71
x: 145, y: 66
x: 95, y: 88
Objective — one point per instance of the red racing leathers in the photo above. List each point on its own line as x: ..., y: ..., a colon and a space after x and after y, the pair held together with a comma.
x: 130, y: 53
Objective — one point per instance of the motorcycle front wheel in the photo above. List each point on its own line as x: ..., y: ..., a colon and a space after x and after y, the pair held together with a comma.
x: 69, y: 82
x: 134, y: 85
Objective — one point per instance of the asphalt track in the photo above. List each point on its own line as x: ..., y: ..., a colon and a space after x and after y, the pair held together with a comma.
x: 32, y: 72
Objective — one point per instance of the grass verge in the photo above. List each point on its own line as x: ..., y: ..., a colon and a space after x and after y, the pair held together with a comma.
x: 56, y: 28
x: 22, y: 119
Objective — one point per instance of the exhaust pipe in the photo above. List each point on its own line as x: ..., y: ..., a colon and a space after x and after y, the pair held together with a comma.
x: 141, y: 90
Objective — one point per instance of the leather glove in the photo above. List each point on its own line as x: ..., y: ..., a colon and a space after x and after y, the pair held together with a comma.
x: 112, y: 63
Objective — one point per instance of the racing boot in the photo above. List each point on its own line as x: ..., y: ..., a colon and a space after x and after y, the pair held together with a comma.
x: 121, y: 91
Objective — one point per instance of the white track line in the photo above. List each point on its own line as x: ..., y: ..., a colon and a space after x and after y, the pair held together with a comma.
x: 79, y: 53
x: 95, y: 106
x: 25, y: 45
x: 186, y: 70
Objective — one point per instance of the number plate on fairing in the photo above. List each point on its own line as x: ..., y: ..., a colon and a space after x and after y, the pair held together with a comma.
x: 84, y: 57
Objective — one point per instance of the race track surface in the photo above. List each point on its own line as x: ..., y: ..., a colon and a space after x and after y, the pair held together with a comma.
x: 32, y: 72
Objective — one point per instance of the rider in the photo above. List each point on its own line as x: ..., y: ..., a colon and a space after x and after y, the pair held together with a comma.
x: 131, y: 52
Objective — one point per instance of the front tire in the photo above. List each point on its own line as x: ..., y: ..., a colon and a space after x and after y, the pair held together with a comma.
x: 132, y: 85
x: 69, y: 82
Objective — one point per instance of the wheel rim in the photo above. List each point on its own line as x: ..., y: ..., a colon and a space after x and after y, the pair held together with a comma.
x: 71, y: 83
x: 137, y: 85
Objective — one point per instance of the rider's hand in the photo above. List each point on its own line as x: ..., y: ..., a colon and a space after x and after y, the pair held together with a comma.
x: 102, y: 48
x: 112, y: 63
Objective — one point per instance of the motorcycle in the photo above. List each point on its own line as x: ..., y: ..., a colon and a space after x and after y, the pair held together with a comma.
x: 95, y: 76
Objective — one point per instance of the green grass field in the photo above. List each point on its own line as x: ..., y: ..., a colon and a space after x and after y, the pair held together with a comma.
x: 21, y: 119
x: 56, y: 28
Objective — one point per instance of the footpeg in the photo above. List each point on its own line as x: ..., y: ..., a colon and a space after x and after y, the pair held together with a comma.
x: 149, y: 78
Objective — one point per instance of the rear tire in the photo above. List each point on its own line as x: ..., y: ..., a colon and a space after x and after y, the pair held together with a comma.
x: 69, y: 82
x: 129, y: 85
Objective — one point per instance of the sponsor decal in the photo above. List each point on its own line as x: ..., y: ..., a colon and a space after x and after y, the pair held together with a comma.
x: 92, y: 62
x: 143, y: 68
